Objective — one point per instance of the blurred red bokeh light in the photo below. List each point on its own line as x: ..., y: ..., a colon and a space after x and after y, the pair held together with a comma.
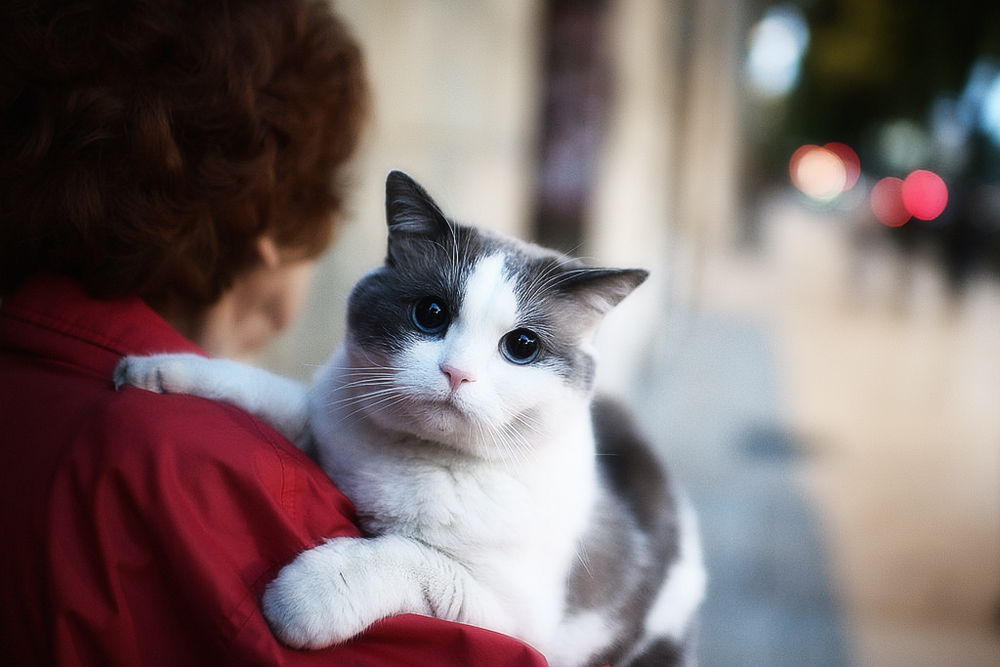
x: 887, y: 202
x: 925, y: 194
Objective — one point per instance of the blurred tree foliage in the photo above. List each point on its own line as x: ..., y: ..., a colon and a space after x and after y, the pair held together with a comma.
x: 872, y: 61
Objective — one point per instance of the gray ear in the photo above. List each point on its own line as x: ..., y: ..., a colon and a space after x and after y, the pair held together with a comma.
x: 409, y: 209
x: 602, y: 289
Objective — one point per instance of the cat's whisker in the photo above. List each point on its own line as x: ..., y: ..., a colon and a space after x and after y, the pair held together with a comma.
x: 512, y: 457
x: 388, y: 398
x: 516, y: 432
x: 374, y: 397
x: 371, y: 362
x: 529, y: 421
x: 366, y: 370
x: 455, y: 256
x: 366, y: 392
x: 487, y: 432
x: 515, y: 444
x: 524, y: 446
x: 367, y: 409
x: 364, y: 382
x: 366, y: 397
x: 490, y: 437
x: 583, y: 556
x: 550, y: 276
x: 349, y: 378
x: 509, y: 438
x: 312, y: 366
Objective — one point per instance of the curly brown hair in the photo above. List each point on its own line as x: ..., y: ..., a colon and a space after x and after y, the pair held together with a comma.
x: 146, y: 145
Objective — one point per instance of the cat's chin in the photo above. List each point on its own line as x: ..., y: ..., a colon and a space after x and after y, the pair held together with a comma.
x: 442, y: 421
x: 447, y: 425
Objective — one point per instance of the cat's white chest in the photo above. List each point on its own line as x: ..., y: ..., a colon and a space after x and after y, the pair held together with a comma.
x: 515, y: 529
x: 514, y: 524
x: 465, y: 501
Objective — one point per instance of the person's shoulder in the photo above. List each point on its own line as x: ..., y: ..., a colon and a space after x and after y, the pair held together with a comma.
x: 182, y: 425
x: 211, y: 448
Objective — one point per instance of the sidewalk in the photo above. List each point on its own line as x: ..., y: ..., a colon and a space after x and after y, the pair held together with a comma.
x: 871, y: 535
x: 711, y: 406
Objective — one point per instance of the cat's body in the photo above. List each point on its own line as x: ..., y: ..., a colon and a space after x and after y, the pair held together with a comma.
x: 458, y: 417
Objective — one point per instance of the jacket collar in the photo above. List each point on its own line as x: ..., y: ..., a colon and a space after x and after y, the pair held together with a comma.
x: 51, y: 316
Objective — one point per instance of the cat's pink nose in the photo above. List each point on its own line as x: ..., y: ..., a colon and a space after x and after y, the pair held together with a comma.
x: 456, y: 376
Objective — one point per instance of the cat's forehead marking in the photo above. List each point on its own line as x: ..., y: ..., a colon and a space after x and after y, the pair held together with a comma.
x: 490, y: 298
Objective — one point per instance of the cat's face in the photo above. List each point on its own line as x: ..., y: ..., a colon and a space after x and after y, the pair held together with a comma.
x: 469, y: 338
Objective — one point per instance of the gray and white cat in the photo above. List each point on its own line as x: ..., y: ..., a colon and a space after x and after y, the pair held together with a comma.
x: 492, y: 487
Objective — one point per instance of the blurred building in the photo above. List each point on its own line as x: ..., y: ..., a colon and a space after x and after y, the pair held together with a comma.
x: 461, y: 104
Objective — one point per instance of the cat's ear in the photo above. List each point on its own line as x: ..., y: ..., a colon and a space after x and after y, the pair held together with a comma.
x: 602, y: 289
x: 409, y: 209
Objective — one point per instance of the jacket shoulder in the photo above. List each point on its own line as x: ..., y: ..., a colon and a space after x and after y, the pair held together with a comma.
x: 214, y: 455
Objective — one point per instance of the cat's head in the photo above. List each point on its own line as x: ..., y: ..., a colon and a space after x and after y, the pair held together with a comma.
x: 471, y: 338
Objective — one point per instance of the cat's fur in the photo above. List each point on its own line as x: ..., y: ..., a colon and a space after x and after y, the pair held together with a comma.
x: 493, y: 489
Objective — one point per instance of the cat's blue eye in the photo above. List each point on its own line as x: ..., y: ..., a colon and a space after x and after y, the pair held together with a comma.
x: 520, y: 346
x: 430, y: 314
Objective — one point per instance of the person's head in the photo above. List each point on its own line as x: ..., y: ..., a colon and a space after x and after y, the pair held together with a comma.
x: 167, y: 148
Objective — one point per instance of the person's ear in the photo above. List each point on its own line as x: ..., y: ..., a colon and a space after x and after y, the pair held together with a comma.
x: 268, y: 251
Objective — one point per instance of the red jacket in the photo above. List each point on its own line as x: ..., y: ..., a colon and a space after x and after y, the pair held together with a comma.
x: 140, y: 529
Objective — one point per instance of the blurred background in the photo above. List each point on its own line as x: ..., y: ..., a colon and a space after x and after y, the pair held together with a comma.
x: 815, y: 185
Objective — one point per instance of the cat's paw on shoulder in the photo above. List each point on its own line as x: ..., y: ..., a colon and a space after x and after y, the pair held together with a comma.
x: 161, y: 373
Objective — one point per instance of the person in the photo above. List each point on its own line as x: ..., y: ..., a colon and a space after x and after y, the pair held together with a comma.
x: 169, y: 170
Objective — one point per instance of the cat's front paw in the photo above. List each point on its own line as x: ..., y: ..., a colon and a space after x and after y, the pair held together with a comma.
x: 162, y: 373
x: 320, y: 598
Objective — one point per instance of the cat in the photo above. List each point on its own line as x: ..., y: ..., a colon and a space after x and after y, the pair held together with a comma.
x: 492, y: 487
